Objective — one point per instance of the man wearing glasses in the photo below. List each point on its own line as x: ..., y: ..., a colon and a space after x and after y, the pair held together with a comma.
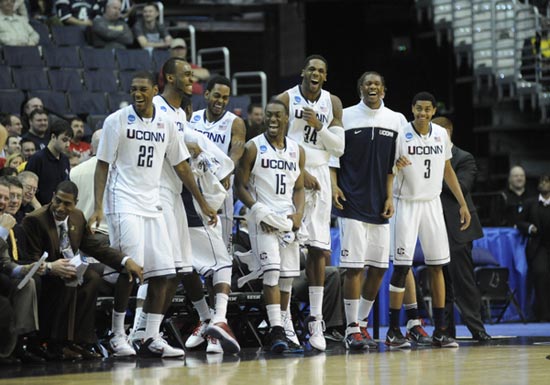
x: 29, y: 203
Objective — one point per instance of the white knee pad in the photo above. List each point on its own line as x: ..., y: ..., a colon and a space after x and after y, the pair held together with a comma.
x: 222, y: 276
x: 271, y: 278
x: 285, y: 284
x: 142, y: 291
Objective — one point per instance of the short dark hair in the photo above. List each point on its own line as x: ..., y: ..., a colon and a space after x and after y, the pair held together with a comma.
x: 27, y: 140
x: 424, y: 96
x: 8, y: 171
x: 14, y: 181
x: 145, y: 75
x: 251, y: 106
x: 277, y: 101
x: 151, y: 4
x: 313, y: 57
x: 68, y: 187
x: 38, y: 111
x: 5, y: 119
x: 217, y: 79
x: 169, y: 66
x: 77, y: 119
x: 60, y: 127
x: 4, y: 182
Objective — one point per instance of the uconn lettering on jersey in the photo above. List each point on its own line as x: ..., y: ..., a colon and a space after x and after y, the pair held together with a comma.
x: 425, y: 150
x: 216, y: 138
x: 278, y: 164
x: 322, y: 118
x: 145, y: 135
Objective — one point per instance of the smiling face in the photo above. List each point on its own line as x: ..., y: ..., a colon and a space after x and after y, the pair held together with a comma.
x: 314, y: 75
x: 182, y: 78
x: 142, y: 92
x: 217, y: 99
x: 62, y: 205
x: 16, y: 197
x: 423, y: 111
x: 372, y: 90
x: 276, y: 120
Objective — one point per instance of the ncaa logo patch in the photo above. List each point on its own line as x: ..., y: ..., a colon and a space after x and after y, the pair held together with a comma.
x: 196, y: 118
x: 297, y: 99
x: 131, y: 118
x: 263, y: 149
x: 163, y: 108
x: 408, y: 135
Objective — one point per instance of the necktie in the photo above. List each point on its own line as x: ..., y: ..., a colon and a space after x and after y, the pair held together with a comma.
x: 14, y: 252
x: 64, y: 242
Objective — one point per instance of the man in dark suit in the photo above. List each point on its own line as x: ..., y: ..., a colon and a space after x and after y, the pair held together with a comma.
x: 67, y: 313
x: 534, y: 222
x: 459, y: 274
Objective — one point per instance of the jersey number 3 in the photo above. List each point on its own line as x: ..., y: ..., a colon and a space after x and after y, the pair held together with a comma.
x: 145, y: 156
x: 428, y: 171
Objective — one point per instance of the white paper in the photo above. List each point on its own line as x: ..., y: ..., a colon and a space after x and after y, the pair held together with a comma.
x: 81, y: 267
x: 33, y: 270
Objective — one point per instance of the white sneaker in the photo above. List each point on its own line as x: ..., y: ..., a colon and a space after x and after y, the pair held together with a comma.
x: 198, y: 336
x: 158, y: 347
x: 316, y: 334
x: 136, y: 337
x: 120, y: 346
x: 289, y: 328
x: 213, y: 345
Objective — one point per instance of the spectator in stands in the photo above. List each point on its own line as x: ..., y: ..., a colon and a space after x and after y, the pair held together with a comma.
x: 12, y: 123
x: 534, y: 222
x: 74, y: 158
x: 13, y: 145
x: 254, y: 121
x: 149, y: 32
x: 178, y: 48
x: 28, y: 148
x: 109, y: 30
x: 3, y: 140
x: 38, y: 129
x: 8, y: 171
x: 15, y: 29
x: 41, y: 10
x: 77, y: 144
x: 27, y: 107
x: 29, y: 203
x: 14, y: 160
x: 78, y: 12
x: 51, y: 164
x: 516, y: 194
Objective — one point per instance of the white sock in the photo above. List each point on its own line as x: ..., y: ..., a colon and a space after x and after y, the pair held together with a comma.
x: 142, y: 321
x: 118, y: 322
x: 202, y: 308
x: 350, y: 308
x: 137, y: 314
x: 221, y: 308
x: 274, y: 314
x: 152, y: 329
x: 316, y: 301
x: 365, y: 306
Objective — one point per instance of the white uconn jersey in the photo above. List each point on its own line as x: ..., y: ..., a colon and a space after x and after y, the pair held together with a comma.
x: 303, y: 133
x: 274, y: 174
x: 135, y: 148
x: 423, y: 179
x: 170, y: 179
x: 218, y: 132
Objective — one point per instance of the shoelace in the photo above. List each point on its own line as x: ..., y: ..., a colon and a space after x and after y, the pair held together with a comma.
x: 316, y: 327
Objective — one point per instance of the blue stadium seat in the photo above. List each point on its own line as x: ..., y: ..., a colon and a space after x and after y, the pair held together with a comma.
x: 11, y: 100
x: 115, y: 99
x: 66, y: 79
x: 62, y: 57
x: 86, y: 102
x: 125, y: 80
x: 100, y: 80
x: 30, y: 79
x: 43, y: 32
x: 22, y: 56
x: 6, y: 80
x: 159, y: 58
x: 133, y: 59
x: 55, y: 101
x: 96, y: 58
x: 95, y: 122
x: 69, y: 35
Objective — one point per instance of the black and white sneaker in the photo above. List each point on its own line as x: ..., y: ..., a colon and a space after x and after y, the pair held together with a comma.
x: 442, y: 340
x: 395, y: 340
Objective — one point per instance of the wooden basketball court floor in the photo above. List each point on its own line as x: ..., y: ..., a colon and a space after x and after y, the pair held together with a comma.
x: 514, y: 359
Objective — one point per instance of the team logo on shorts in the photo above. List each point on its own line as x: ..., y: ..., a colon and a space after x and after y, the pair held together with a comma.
x: 408, y: 135
x: 344, y: 253
x: 400, y: 251
x: 263, y: 149
x: 163, y: 108
x: 263, y: 256
x: 131, y: 119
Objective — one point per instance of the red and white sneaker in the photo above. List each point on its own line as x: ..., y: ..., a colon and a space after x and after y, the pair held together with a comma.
x: 198, y: 336
x: 224, y: 334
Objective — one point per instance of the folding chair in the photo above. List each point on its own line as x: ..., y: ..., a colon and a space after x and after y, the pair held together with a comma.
x: 496, y: 294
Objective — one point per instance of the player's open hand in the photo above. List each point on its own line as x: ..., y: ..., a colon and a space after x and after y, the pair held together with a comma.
x: 134, y: 270
x: 95, y: 220
x: 338, y: 197
x: 388, y: 209
x: 310, y: 182
x: 402, y: 162
x: 210, y: 213
x: 465, y: 217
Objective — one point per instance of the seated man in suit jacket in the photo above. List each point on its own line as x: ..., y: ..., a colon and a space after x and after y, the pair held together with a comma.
x: 67, y: 313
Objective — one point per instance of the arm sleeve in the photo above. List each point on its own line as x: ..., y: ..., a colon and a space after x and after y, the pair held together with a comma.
x: 333, y: 139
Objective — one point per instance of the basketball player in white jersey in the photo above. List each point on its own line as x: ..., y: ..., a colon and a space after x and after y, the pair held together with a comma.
x: 270, y: 182
x: 363, y: 202
x: 315, y: 122
x: 134, y: 143
x: 227, y: 131
x: 423, y: 152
